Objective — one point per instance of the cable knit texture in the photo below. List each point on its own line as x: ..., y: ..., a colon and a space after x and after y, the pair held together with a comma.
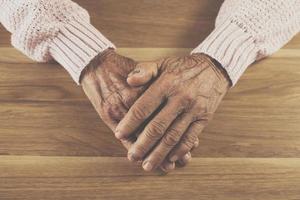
x: 53, y: 29
x: 245, y: 31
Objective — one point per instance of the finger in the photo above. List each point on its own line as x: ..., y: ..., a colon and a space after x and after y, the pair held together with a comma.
x: 185, y: 160
x: 113, y: 113
x: 188, y: 140
x: 167, y: 166
x: 143, y: 73
x: 155, y: 130
x: 112, y: 116
x: 140, y: 111
x: 127, y: 143
x: 168, y: 142
x: 196, y: 144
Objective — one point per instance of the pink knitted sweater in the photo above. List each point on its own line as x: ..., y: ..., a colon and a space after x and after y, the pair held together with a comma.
x: 245, y: 31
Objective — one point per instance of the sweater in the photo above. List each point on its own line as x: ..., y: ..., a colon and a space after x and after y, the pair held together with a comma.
x: 245, y: 31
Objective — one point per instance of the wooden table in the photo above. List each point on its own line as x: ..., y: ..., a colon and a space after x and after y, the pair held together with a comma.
x: 54, y: 146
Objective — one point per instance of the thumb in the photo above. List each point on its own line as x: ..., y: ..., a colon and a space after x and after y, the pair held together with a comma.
x: 143, y: 73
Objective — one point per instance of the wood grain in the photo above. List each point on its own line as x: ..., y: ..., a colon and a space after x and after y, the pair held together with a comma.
x: 44, y: 113
x: 53, y: 145
x: 155, y: 23
x: 114, y: 178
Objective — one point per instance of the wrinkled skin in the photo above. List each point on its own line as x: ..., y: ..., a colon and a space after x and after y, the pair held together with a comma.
x: 178, y: 105
x: 104, y: 83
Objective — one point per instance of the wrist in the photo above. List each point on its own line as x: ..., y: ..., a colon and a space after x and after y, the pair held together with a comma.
x: 96, y: 62
x: 218, y: 66
x: 219, y: 70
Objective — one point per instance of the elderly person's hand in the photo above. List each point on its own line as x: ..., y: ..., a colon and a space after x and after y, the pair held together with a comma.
x: 183, y: 97
x: 104, y: 82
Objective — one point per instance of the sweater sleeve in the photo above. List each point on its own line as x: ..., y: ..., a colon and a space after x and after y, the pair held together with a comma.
x: 246, y: 31
x: 53, y: 29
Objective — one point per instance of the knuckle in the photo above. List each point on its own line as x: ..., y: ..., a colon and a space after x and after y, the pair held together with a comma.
x: 156, y: 129
x: 174, y: 133
x: 139, y: 113
x: 131, y: 96
x: 172, y: 138
x: 182, y: 150
x: 189, y: 141
x: 187, y: 101
x: 151, y: 135
x: 115, y: 113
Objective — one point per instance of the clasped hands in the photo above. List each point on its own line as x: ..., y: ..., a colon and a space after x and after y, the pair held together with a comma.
x: 156, y: 109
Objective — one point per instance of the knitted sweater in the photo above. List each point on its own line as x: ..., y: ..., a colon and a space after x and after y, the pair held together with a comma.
x: 245, y: 31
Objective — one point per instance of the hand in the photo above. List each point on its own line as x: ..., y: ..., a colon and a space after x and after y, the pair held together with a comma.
x: 177, y: 106
x: 104, y: 83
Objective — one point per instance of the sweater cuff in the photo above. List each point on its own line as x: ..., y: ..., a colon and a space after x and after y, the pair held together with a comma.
x: 232, y: 47
x: 76, y: 44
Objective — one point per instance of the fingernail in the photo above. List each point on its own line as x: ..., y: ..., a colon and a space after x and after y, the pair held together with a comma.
x: 132, y: 157
x: 118, y: 135
x: 187, y: 156
x: 174, y: 158
x: 170, y: 166
x: 134, y: 72
x: 147, y: 166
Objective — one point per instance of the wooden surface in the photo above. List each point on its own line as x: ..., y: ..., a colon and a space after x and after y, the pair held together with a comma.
x: 74, y: 178
x: 54, y: 146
